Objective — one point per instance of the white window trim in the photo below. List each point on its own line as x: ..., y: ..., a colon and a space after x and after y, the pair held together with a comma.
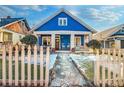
x: 62, y: 21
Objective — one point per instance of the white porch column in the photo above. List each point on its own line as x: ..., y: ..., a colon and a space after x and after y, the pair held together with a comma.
x: 53, y: 40
x: 104, y: 44
x: 117, y: 44
x: 72, y: 41
x: 86, y: 38
x: 1, y: 37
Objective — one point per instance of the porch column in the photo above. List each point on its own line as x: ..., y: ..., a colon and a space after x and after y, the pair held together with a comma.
x: 72, y: 41
x: 53, y: 40
x: 1, y: 37
x: 86, y: 39
x: 89, y: 37
x: 104, y: 44
x: 117, y: 44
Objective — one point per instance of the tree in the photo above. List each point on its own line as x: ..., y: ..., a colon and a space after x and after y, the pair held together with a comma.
x: 94, y: 44
x: 29, y: 40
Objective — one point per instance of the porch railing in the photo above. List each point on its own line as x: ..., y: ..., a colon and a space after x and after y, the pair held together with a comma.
x: 19, y: 67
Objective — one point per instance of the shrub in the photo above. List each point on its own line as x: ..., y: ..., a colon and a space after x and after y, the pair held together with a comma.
x: 94, y: 44
x: 29, y: 40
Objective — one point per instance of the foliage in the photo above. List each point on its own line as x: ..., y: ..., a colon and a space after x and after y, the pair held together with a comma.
x: 29, y: 40
x: 95, y: 44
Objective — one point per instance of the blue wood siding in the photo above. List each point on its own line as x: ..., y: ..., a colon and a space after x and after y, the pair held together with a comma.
x: 40, y: 40
x: 82, y: 40
x: 52, y: 25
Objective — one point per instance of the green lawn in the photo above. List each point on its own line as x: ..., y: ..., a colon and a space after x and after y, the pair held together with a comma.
x: 13, y: 71
x: 89, y: 71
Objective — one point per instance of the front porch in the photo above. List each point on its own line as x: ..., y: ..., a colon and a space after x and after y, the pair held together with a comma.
x: 64, y: 42
x: 113, y: 42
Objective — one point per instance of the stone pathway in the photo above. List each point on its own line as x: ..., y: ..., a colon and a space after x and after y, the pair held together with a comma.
x: 66, y: 74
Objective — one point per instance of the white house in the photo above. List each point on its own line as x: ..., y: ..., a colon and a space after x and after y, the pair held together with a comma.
x: 111, y: 38
x: 13, y: 29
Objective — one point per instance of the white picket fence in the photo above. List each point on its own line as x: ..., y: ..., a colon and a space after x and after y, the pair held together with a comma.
x: 109, y: 68
x: 16, y: 72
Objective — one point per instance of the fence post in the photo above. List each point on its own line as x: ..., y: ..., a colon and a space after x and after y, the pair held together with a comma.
x: 3, y: 65
x: 16, y: 65
x: 119, y: 62
x: 29, y: 65
x: 108, y: 63
x: 103, y: 68
x: 114, y: 65
x: 35, y: 65
x: 123, y: 66
x: 97, y: 68
x: 41, y: 66
x: 47, y: 67
x: 22, y: 66
x: 10, y: 65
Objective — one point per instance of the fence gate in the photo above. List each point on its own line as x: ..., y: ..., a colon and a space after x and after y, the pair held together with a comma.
x: 24, y: 66
x: 109, y: 68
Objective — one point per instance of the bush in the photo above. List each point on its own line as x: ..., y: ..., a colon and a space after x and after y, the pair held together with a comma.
x: 94, y: 44
x: 29, y: 40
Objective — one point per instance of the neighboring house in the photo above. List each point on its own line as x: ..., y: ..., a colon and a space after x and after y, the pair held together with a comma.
x: 13, y: 29
x: 63, y: 31
x: 111, y: 38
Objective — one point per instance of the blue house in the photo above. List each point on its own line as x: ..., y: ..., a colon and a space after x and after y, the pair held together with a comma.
x: 63, y: 31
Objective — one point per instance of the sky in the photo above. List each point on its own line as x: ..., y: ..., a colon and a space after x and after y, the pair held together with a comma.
x: 100, y: 17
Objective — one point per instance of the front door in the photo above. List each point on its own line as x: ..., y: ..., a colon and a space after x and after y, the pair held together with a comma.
x: 65, y: 42
x: 57, y: 42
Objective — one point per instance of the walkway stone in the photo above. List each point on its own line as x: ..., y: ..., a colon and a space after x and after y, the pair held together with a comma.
x: 66, y: 74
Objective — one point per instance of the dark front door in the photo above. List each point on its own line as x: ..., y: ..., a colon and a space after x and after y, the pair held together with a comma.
x: 65, y: 42
x: 57, y: 41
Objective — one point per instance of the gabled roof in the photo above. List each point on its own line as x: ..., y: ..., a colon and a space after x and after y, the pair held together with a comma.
x: 7, y: 21
x: 107, y: 33
x: 68, y: 13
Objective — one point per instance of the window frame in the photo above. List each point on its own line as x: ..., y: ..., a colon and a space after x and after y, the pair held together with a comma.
x: 62, y: 21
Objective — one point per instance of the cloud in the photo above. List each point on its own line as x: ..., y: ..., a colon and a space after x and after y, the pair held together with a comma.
x: 5, y: 11
x: 102, y: 14
x: 74, y: 12
x: 33, y: 7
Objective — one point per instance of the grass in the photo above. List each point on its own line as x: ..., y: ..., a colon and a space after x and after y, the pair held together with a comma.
x: 19, y: 70
x: 89, y: 70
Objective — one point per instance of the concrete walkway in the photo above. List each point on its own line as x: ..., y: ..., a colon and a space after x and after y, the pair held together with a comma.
x: 66, y: 74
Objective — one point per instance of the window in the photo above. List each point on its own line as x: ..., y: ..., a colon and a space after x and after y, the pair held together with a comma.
x: 62, y: 21
x: 77, y: 41
x: 46, y: 40
x: 7, y: 37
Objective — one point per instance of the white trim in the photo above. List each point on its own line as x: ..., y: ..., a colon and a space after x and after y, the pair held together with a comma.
x: 67, y: 12
x: 61, y: 32
x: 62, y: 19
